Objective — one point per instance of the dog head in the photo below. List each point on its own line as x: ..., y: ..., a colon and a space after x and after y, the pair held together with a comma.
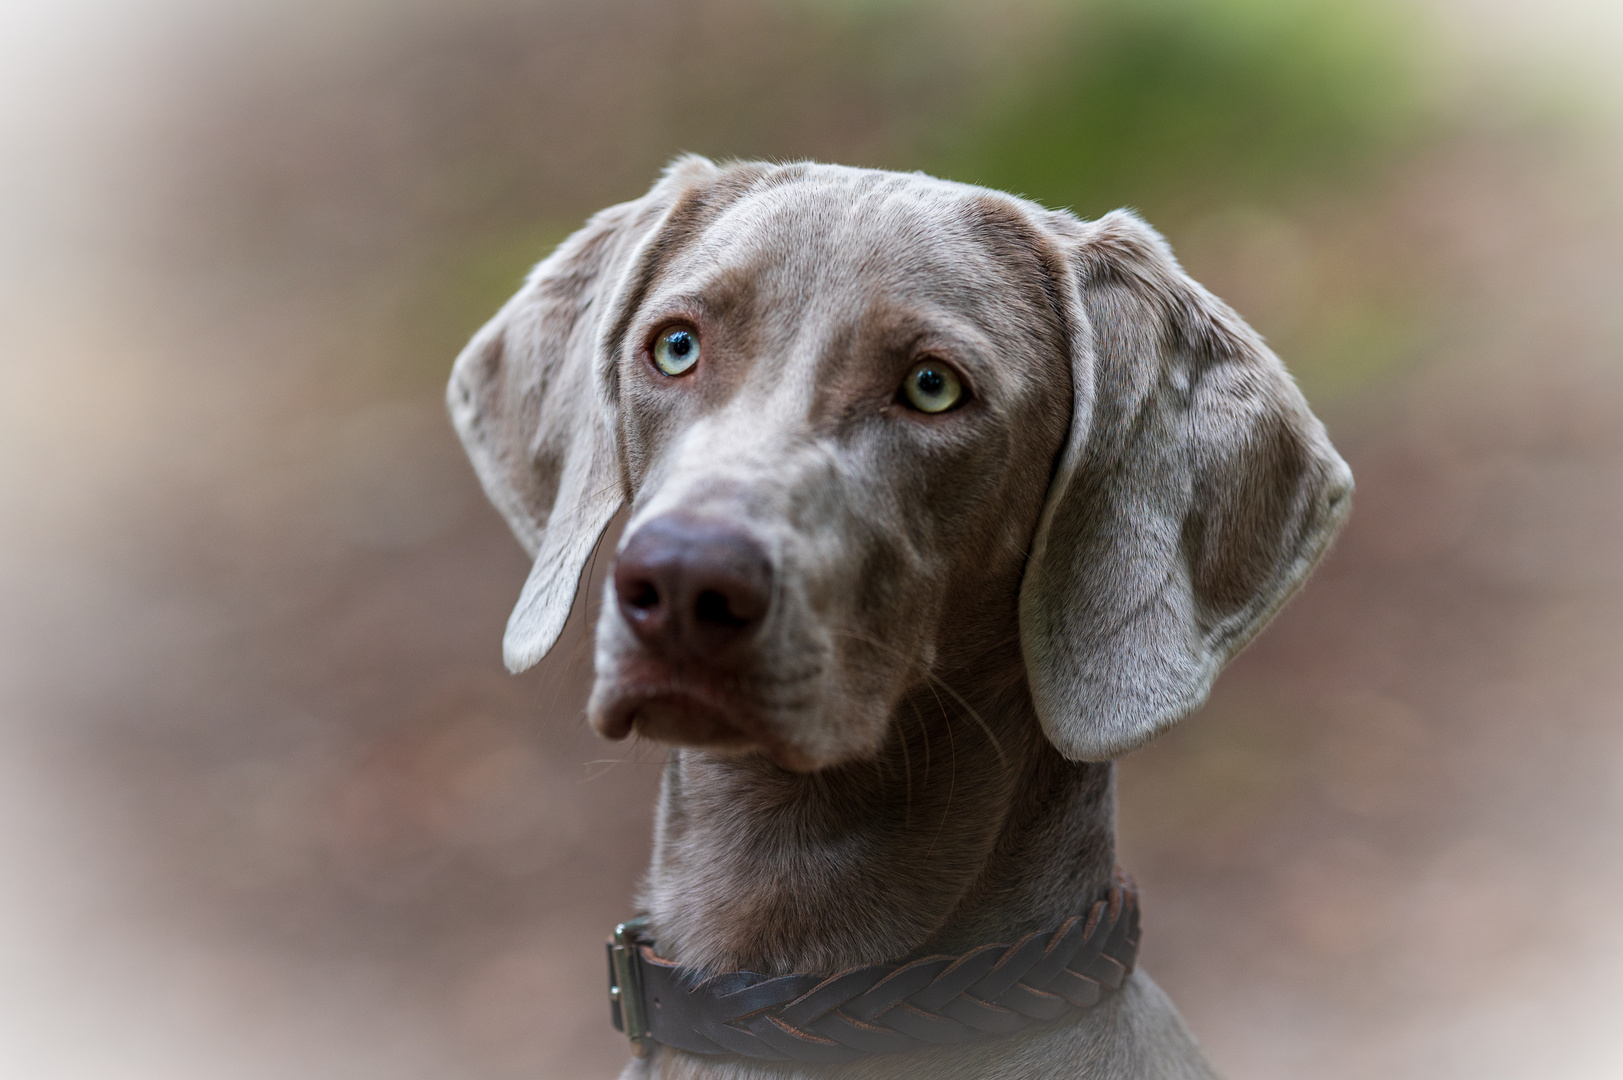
x: 871, y: 425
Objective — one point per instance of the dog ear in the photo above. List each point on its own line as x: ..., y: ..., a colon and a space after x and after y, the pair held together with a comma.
x: 532, y: 398
x: 1194, y: 495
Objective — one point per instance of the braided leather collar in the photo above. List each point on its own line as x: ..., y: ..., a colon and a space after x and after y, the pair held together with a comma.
x: 879, y: 1009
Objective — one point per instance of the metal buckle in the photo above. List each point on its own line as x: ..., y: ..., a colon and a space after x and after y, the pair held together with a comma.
x: 625, y: 989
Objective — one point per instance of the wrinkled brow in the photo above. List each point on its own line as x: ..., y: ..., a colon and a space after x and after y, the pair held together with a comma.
x: 724, y: 295
x: 908, y: 330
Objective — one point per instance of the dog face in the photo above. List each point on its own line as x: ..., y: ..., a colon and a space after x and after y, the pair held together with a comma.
x: 873, y: 391
x: 871, y: 426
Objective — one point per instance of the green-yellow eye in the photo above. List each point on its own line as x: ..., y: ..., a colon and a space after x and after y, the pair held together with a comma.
x: 676, y: 350
x: 932, y: 387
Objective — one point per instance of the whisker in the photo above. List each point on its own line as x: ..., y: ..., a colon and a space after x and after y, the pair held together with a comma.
x: 986, y: 728
x: 952, y: 783
x: 607, y: 763
x: 924, y: 730
x: 973, y: 715
x: 907, y: 779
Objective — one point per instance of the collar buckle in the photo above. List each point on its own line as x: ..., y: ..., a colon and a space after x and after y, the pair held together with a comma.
x: 626, y: 1006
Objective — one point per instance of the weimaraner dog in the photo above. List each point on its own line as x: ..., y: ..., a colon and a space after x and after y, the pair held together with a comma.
x: 937, y: 502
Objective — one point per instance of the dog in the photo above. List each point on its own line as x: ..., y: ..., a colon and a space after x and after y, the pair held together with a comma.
x: 937, y: 501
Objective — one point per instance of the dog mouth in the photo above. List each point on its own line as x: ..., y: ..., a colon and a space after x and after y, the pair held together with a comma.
x: 683, y: 711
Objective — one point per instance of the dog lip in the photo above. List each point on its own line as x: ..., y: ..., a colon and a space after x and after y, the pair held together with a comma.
x: 712, y: 722
x: 615, y: 722
x: 685, y: 720
x: 617, y: 717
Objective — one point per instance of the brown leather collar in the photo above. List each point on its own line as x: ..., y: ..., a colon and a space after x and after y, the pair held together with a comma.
x: 879, y: 1009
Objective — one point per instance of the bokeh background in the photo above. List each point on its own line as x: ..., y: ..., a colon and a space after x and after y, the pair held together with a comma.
x: 270, y: 807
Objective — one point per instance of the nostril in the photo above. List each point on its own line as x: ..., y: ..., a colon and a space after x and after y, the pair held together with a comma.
x: 714, y: 608
x: 693, y: 589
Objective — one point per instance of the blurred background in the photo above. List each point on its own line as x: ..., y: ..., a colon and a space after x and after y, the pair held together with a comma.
x: 269, y: 805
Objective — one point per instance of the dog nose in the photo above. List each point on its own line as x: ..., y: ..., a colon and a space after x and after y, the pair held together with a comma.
x: 693, y: 588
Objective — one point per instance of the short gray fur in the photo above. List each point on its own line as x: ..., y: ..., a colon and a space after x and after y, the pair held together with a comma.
x: 972, y: 614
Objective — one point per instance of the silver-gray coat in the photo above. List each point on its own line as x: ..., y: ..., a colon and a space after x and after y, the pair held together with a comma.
x: 969, y: 613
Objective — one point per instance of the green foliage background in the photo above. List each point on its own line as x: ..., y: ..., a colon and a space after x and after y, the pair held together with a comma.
x: 1227, y: 123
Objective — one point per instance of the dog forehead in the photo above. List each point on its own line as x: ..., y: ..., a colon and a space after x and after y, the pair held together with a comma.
x: 836, y: 235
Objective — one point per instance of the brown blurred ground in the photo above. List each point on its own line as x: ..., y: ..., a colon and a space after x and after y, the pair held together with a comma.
x: 269, y: 806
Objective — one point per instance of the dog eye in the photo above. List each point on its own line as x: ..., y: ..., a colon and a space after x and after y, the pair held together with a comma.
x: 932, y: 387
x: 676, y: 350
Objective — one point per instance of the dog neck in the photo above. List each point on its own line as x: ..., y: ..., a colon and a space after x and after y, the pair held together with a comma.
x: 967, y: 828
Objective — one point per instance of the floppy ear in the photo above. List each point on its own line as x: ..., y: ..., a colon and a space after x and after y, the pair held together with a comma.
x: 532, y: 403
x: 1194, y: 495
